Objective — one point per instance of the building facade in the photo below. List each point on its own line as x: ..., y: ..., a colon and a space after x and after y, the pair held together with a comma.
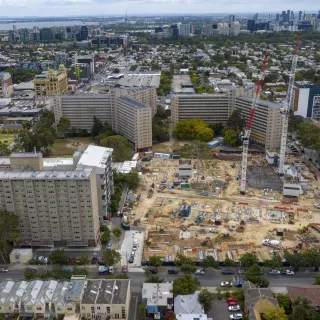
x: 6, y: 85
x: 58, y: 201
x: 51, y: 83
x: 215, y: 108
x: 78, y: 299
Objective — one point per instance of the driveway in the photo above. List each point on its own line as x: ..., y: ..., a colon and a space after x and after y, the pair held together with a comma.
x: 219, y: 310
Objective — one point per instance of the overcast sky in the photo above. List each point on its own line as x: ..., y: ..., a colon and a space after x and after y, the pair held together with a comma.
x: 106, y: 7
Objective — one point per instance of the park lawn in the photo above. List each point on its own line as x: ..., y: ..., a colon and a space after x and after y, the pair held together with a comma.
x: 64, y: 148
x: 7, y: 136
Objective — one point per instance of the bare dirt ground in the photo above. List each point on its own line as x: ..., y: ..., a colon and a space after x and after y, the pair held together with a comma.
x: 213, y: 195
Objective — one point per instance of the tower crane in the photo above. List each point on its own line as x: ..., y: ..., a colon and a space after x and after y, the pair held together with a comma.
x: 285, y: 110
x: 246, y: 135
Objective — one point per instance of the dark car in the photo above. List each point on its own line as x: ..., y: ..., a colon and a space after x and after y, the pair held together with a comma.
x: 144, y: 263
x: 131, y: 260
x: 227, y: 271
x: 153, y: 271
x: 94, y: 260
x: 31, y: 270
x: 173, y: 271
x: 262, y: 285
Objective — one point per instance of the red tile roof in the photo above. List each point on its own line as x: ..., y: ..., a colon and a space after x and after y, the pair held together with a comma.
x: 312, y: 293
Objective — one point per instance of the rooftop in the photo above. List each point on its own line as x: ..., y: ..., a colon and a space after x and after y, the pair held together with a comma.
x: 157, y: 294
x: 140, y: 80
x: 137, y: 104
x: 91, y: 291
x: 312, y: 293
x: 75, y: 288
x: 95, y: 156
x: 188, y: 304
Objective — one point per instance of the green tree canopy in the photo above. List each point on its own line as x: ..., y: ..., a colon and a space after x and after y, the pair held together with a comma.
x: 309, y: 135
x: 63, y: 126
x: 117, y: 232
x: 235, y: 121
x: 154, y: 279
x: 274, y: 262
x: 122, y: 150
x: 195, y: 129
x: 4, y: 150
x: 285, y: 302
x: 248, y: 259
x: 188, y: 268
x: 185, y: 285
x: 58, y: 256
x: 105, y: 236
x: 97, y: 127
x: 155, y: 261
x: 275, y: 313
x: 111, y: 257
x: 230, y: 137
x: 182, y: 259
x: 209, y: 262
x: 254, y: 275
x: 205, y: 298
x: 302, y: 309
x: 21, y: 74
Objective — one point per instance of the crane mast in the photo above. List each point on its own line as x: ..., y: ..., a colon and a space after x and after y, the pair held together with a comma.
x: 246, y: 135
x: 285, y: 110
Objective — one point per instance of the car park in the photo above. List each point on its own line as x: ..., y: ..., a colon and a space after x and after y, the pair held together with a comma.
x: 173, y: 271
x: 227, y: 271
x: 226, y: 284
x: 234, y: 308
x: 199, y: 273
x: 3, y: 270
x: 236, y: 316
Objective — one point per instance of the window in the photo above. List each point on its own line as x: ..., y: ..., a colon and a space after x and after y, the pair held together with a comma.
x: 116, y: 315
x: 108, y: 309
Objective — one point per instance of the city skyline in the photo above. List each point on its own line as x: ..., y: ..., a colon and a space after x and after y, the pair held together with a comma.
x: 38, y: 8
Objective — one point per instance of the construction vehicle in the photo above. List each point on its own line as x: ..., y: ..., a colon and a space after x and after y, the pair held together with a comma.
x: 287, y: 106
x: 245, y: 137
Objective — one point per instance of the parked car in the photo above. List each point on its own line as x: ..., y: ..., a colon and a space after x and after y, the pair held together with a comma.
x: 45, y: 260
x: 41, y: 258
x: 233, y: 303
x: 234, y: 308
x: 3, y: 270
x: 144, y: 263
x: 199, y: 273
x: 109, y: 246
x: 152, y: 270
x: 288, y: 272
x: 232, y: 300
x: 226, y: 284
x: 242, y: 271
x: 173, y: 271
x: 67, y: 270
x: 236, y: 316
x: 131, y: 259
x: 31, y: 270
x: 274, y: 272
x: 227, y: 271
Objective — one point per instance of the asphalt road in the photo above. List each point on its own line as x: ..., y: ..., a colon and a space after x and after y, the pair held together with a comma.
x: 209, y: 279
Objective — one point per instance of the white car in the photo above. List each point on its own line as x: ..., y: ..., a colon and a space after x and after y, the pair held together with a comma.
x: 226, y: 284
x: 199, y: 272
x: 288, y: 272
x: 3, y: 270
x: 234, y: 308
x: 236, y: 316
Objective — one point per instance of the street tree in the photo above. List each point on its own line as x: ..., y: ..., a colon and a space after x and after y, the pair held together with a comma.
x: 106, y: 236
x: 274, y: 262
x: 317, y: 280
x: 97, y: 127
x: 185, y: 285
x: 4, y: 150
x: 58, y: 256
x: 205, y: 298
x: 169, y: 315
x: 143, y: 309
x: 155, y: 262
x: 209, y: 262
x: 182, y: 259
x: 275, y: 313
x: 188, y: 268
x: 254, y: 275
x: 302, y: 309
x: 117, y: 232
x: 230, y: 137
x: 248, y: 259
x: 83, y: 259
x: 111, y: 257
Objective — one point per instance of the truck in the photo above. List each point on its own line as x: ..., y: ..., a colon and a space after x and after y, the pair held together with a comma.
x: 271, y: 243
x: 105, y: 270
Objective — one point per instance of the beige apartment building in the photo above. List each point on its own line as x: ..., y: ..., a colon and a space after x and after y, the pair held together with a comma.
x: 215, y: 108
x: 59, y: 202
x: 130, y: 118
x: 51, y: 83
x: 80, y: 298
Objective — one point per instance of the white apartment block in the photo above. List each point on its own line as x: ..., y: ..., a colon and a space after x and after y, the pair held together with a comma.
x: 234, y: 28
x: 185, y: 30
x: 215, y: 108
x: 80, y: 110
x: 76, y: 299
x: 134, y: 121
x: 223, y: 29
x: 59, y: 202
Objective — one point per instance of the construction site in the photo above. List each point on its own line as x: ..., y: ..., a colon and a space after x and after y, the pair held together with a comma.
x: 204, y: 213
x: 223, y: 208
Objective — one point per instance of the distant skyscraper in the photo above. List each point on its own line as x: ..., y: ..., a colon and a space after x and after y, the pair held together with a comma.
x: 185, y: 30
x: 277, y: 17
x: 291, y: 16
x: 288, y: 15
x: 84, y: 33
x: 68, y: 33
x: 231, y: 18
x: 251, y: 26
x: 255, y: 17
x: 46, y: 34
x: 300, y: 15
x: 235, y: 28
